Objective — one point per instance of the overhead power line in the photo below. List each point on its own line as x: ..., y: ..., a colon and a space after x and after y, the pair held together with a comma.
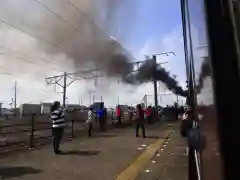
x: 89, y: 74
x: 71, y: 25
x: 57, y: 15
x: 28, y: 61
x: 30, y: 34
x: 66, y: 22
x: 24, y: 57
x: 6, y: 73
x: 94, y: 24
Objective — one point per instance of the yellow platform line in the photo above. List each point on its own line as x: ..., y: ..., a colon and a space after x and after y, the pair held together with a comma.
x: 131, y: 172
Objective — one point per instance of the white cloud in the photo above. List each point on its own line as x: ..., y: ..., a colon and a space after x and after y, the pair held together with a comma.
x: 172, y: 42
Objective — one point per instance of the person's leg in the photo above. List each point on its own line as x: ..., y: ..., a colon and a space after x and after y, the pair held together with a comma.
x: 148, y: 120
x: 137, y: 129
x: 118, y: 120
x: 90, y: 129
x: 104, y: 124
x: 59, y: 138
x: 101, y: 123
x: 143, y: 129
x: 54, y: 135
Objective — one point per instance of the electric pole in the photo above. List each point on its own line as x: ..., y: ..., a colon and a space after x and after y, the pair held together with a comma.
x: 154, y: 57
x: 56, y: 80
x: 15, y: 95
x: 64, y: 88
x: 155, y: 83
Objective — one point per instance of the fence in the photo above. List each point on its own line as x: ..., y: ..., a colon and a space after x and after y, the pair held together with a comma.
x: 34, y: 130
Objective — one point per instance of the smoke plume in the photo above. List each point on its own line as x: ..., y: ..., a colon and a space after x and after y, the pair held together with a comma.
x: 70, y: 31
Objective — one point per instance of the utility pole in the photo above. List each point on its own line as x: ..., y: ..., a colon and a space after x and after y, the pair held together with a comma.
x: 15, y: 95
x: 154, y: 58
x: 56, y: 81
x: 64, y: 88
x: 89, y: 97
x: 155, y: 83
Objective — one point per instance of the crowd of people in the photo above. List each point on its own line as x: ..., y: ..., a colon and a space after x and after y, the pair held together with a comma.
x: 138, y: 115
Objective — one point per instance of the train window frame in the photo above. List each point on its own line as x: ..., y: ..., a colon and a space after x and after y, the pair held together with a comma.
x: 225, y: 58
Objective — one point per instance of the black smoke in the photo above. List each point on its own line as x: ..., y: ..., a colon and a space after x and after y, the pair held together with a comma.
x: 121, y: 65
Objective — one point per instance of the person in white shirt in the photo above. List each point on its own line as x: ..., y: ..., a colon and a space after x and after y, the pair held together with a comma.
x: 89, y: 121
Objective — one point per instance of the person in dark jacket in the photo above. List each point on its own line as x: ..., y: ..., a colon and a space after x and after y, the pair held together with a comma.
x: 58, y: 124
x: 105, y: 116
x: 140, y: 121
x: 100, y: 115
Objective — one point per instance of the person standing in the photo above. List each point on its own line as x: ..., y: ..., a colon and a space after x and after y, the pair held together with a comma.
x: 149, y: 114
x: 89, y: 121
x: 58, y: 124
x: 100, y: 114
x: 118, y: 115
x: 130, y: 112
x: 105, y: 116
x: 140, y: 121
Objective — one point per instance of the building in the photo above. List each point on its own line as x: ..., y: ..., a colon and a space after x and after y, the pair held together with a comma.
x: 71, y: 107
x: 46, y: 108
x: 29, y: 109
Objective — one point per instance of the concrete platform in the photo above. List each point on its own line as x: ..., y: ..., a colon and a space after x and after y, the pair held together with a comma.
x: 105, y: 156
x: 170, y: 162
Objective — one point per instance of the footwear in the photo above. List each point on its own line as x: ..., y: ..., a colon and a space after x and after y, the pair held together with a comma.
x: 58, y: 152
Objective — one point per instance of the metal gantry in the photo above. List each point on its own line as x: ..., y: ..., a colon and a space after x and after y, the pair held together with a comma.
x: 69, y: 78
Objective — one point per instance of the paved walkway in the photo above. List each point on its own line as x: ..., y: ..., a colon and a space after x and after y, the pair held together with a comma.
x: 102, y: 157
x: 170, y: 162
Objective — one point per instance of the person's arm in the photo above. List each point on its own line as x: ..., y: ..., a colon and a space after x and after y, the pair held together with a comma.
x: 185, y: 116
x: 61, y: 113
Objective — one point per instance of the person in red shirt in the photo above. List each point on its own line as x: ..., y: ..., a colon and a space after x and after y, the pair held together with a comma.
x: 149, y: 114
x: 118, y: 115
x: 140, y: 121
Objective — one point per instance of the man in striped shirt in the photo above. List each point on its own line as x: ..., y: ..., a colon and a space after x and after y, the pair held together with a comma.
x: 58, y: 124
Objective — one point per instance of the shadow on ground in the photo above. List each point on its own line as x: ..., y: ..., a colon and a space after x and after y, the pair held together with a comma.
x: 12, y: 172
x: 105, y: 136
x: 82, y: 152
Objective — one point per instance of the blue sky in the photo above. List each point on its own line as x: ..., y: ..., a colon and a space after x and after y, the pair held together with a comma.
x: 138, y: 23
x: 147, y: 19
